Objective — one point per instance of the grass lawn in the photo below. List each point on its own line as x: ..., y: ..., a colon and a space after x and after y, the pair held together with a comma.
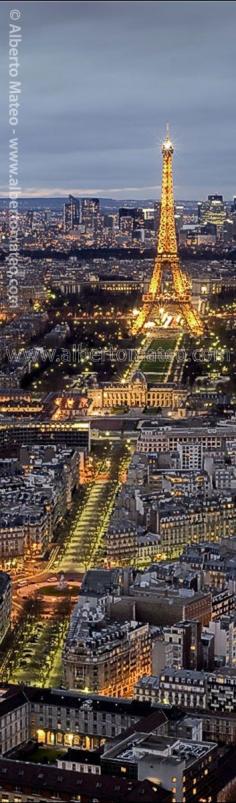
x: 153, y: 378
x: 42, y: 755
x: 158, y: 357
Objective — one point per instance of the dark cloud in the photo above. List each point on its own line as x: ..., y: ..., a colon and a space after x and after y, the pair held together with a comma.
x: 99, y: 81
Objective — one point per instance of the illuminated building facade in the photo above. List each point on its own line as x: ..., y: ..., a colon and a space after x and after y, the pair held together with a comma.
x: 137, y: 393
x: 181, y: 523
x: 187, y: 688
x: 62, y: 718
x: 35, y: 494
x: 167, y: 439
x: 72, y: 720
x: 5, y: 604
x: 105, y: 657
x: 212, y: 211
x: 120, y: 285
x: 25, y: 532
x: 128, y: 545
x: 167, y: 258
x: 180, y: 687
x: 16, y: 402
x: 183, y: 766
x: 71, y: 214
x: 131, y: 221
x: 71, y: 433
x: 90, y: 213
x: 183, y: 639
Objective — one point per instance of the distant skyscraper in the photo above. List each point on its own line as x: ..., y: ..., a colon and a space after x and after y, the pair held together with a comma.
x: 71, y: 213
x: 90, y: 213
x: 126, y: 226
x: 136, y: 213
x: 131, y: 221
x: 148, y: 213
x: 212, y: 211
x: 29, y: 218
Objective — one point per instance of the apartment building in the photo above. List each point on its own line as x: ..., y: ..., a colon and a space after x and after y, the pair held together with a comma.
x: 103, y: 656
x: 35, y: 497
x: 177, y: 519
x: 14, y: 718
x: 209, y: 691
x: 15, y: 433
x: 224, y: 631
x: 184, y: 642
x: 154, y: 438
x: 5, y: 604
x: 182, y: 688
x: 129, y: 545
x: 192, y: 520
x: 162, y: 606
x: 221, y: 690
x: 182, y: 766
x: 57, y: 717
x: 22, y: 782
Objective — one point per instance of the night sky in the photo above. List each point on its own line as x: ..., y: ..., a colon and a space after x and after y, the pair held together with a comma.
x: 100, y: 80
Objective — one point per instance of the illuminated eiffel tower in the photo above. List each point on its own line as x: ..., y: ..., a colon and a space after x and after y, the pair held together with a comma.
x: 167, y: 258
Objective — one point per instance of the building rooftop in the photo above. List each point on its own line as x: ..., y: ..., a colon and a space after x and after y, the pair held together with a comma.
x: 91, y: 633
x: 194, y: 426
x: 100, y: 581
x: 63, y: 698
x: 82, y: 756
x: 169, y: 673
x: 68, y: 785
x: 11, y: 697
x: 158, y: 748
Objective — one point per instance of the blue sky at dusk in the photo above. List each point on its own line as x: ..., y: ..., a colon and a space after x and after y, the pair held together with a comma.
x: 100, y: 80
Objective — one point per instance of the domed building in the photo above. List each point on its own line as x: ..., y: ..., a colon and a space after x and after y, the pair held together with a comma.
x: 92, y: 380
x: 136, y: 393
x: 138, y: 378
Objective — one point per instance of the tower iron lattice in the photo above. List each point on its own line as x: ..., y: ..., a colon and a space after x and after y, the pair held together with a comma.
x: 167, y: 258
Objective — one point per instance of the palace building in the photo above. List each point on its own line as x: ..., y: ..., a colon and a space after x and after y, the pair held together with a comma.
x: 137, y: 393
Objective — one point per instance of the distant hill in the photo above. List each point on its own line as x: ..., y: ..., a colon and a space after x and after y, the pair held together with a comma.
x: 107, y: 204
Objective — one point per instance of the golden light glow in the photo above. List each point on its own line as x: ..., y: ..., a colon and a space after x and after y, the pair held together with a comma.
x: 167, y: 256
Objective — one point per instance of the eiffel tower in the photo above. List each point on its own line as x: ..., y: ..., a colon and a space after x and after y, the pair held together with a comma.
x: 167, y: 258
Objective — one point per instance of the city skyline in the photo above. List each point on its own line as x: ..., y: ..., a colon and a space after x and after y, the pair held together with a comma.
x: 118, y: 402
x: 112, y: 87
